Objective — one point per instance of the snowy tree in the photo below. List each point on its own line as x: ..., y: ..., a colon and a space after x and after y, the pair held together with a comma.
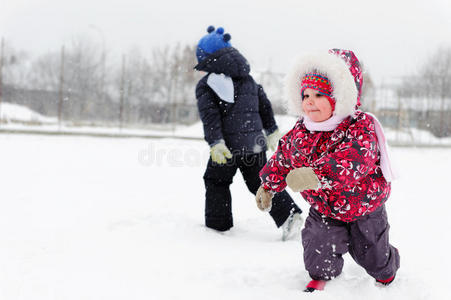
x: 433, y: 82
x: 15, y: 66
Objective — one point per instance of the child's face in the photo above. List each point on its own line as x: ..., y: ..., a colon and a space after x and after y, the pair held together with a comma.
x: 316, y: 106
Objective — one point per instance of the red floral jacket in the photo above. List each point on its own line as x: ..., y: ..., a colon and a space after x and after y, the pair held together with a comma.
x: 346, y: 162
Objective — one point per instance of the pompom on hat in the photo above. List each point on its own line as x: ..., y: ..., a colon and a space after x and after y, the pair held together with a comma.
x: 212, y: 42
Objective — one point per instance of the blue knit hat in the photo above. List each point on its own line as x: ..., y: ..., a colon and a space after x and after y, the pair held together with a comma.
x: 212, y: 42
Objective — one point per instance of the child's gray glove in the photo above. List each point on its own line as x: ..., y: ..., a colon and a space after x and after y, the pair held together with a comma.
x: 272, y: 140
x: 264, y: 199
x: 301, y: 179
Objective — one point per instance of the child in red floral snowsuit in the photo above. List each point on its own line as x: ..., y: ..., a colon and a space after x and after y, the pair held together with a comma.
x: 336, y: 156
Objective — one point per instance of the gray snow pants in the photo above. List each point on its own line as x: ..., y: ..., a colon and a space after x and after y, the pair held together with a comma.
x: 325, y: 240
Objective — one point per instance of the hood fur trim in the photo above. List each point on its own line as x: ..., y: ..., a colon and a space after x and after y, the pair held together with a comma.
x: 335, y: 68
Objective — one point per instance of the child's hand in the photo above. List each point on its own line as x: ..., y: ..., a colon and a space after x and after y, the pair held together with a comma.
x: 264, y: 199
x: 301, y: 179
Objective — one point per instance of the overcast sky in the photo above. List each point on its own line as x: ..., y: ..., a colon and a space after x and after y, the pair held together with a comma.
x: 392, y: 37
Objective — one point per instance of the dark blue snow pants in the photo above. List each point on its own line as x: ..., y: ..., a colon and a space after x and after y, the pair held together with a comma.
x: 325, y: 240
x: 218, y: 178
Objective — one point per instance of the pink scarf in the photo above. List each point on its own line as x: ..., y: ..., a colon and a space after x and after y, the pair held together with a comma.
x: 328, y: 125
x: 333, y: 122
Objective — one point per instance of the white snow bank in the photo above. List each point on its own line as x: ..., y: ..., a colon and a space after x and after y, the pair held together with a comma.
x: 17, y: 113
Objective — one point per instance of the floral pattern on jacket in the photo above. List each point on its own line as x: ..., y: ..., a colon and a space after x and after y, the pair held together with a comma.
x: 346, y: 161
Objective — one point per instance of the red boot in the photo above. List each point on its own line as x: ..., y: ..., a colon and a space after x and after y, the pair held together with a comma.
x: 386, y: 281
x: 315, y: 285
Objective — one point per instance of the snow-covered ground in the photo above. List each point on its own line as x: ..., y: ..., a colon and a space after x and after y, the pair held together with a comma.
x: 101, y: 218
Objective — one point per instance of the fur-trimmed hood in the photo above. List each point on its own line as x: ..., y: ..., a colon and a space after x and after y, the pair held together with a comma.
x: 343, y: 70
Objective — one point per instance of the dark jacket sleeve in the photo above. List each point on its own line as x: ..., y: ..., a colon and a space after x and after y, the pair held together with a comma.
x: 209, y: 113
x: 266, y: 112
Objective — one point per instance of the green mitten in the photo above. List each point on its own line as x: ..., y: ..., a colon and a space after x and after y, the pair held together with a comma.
x: 219, y: 153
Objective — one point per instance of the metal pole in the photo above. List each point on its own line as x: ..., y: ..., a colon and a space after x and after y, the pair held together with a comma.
x: 102, y: 81
x: 173, y: 106
x: 121, y: 102
x: 61, y: 88
x: 2, y: 58
x: 443, y: 86
x: 103, y: 61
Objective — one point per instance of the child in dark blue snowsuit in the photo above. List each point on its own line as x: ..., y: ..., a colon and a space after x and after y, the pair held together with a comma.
x: 235, y: 111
